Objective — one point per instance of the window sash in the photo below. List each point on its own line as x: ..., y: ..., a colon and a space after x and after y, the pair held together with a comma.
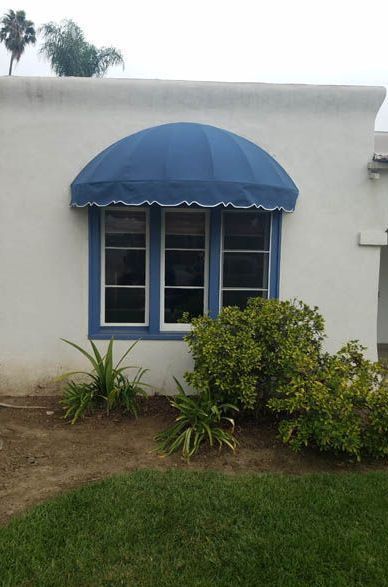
x: 172, y: 326
x: 248, y: 251
x: 147, y: 269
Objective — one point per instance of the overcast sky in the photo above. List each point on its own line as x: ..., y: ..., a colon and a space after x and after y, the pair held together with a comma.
x: 297, y: 41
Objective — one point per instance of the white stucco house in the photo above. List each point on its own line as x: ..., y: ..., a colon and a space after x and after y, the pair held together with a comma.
x: 125, y: 203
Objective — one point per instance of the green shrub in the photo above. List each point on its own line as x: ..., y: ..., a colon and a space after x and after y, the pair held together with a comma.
x: 341, y: 405
x: 200, y: 420
x: 108, y: 385
x: 242, y: 356
x: 270, y: 356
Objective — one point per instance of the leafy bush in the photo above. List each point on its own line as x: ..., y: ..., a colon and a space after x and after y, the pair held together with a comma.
x: 242, y: 356
x: 270, y: 356
x: 108, y: 387
x: 200, y: 420
x: 341, y: 405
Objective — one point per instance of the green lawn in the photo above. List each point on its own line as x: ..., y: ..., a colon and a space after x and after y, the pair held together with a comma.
x: 204, y: 529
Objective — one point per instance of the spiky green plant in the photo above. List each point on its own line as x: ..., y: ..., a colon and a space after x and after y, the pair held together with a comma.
x: 200, y: 420
x: 127, y: 392
x: 77, y: 399
x: 108, y: 384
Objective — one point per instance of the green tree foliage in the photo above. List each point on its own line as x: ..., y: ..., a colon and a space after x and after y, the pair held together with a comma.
x: 69, y: 54
x: 16, y: 32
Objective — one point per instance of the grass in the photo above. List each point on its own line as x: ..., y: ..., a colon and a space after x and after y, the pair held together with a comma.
x: 201, y: 529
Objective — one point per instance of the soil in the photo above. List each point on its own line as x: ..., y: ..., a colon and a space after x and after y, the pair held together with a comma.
x: 42, y: 455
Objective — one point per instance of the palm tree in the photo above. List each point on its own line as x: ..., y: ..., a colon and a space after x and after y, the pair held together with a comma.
x: 70, y: 54
x: 16, y: 33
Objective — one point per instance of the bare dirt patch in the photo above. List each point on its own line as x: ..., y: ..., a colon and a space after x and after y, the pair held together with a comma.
x: 41, y: 454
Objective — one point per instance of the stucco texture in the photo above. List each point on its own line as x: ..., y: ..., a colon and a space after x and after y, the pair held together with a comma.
x: 50, y: 128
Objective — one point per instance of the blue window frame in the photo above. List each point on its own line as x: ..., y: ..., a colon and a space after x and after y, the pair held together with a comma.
x: 154, y: 328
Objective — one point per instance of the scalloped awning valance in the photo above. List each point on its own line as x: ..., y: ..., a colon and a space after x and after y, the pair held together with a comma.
x: 185, y: 163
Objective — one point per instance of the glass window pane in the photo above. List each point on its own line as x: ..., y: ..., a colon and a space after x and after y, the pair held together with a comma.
x: 125, y: 305
x: 185, y: 230
x: 184, y: 267
x: 178, y: 301
x: 240, y: 298
x: 124, y: 267
x: 125, y: 229
x: 247, y: 230
x: 245, y: 270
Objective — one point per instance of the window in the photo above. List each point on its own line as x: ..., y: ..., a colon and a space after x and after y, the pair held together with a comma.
x: 245, y: 256
x: 150, y: 265
x: 184, y: 266
x: 125, y: 268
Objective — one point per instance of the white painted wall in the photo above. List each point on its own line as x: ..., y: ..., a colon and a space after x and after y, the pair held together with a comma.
x: 381, y: 146
x: 381, y: 141
x: 50, y: 128
x: 382, y: 323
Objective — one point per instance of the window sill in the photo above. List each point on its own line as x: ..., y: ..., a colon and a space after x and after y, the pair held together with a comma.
x: 130, y: 333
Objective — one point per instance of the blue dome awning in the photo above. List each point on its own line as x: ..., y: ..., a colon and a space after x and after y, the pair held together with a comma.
x: 185, y: 163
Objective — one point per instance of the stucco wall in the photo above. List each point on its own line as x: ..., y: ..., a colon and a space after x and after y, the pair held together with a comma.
x: 382, y: 323
x: 50, y: 128
x: 381, y: 146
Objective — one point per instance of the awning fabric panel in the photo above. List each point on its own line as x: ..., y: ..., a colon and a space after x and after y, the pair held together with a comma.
x: 185, y: 163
